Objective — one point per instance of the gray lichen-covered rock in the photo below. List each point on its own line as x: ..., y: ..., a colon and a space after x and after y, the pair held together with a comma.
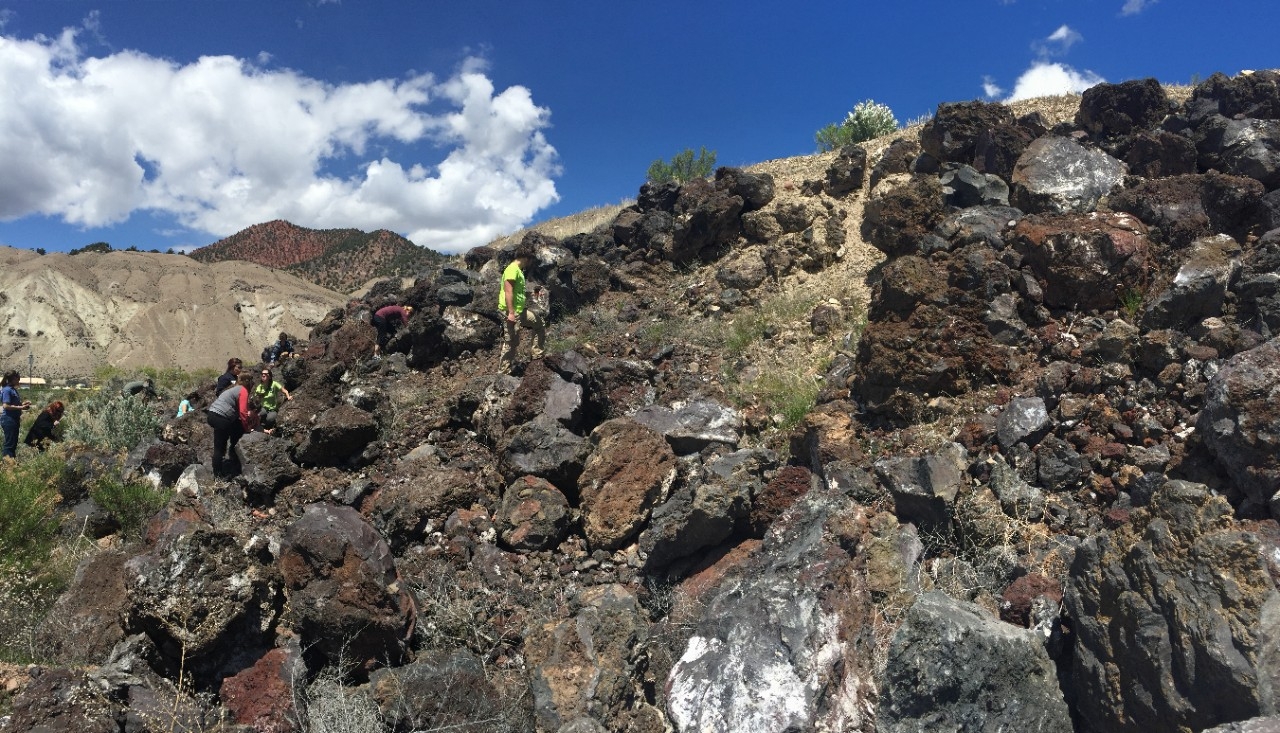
x: 1025, y: 419
x: 691, y: 426
x: 581, y: 666
x: 1241, y: 420
x: 952, y: 667
x: 924, y: 488
x: 1177, y: 618
x: 1058, y: 174
x: 774, y: 647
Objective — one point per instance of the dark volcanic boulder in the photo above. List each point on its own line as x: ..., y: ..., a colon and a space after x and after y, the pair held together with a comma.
x: 264, y: 696
x: 160, y: 462
x: 201, y: 598
x: 1160, y: 153
x: 847, y: 172
x: 952, y: 135
x: 337, y: 435
x: 1241, y: 421
x: 442, y: 691
x: 691, y: 426
x: 953, y: 667
x: 582, y: 667
x: 344, y: 592
x: 546, y: 449
x: 1242, y: 147
x: 1259, y: 286
x: 895, y: 220
x: 1084, y: 261
x: 84, y: 624
x: 755, y: 189
x: 533, y: 515
x: 1175, y: 614
x: 767, y: 653
x: 1120, y: 109
x: 418, y: 490
x: 62, y: 701
x: 1186, y: 208
x: 924, y: 488
x: 469, y: 330
x: 1255, y: 94
x: 1199, y: 288
x: 265, y: 463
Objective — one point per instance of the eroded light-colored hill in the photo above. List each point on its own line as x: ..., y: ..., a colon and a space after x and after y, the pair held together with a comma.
x: 74, y: 313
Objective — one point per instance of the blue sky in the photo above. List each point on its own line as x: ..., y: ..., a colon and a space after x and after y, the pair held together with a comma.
x: 171, y: 124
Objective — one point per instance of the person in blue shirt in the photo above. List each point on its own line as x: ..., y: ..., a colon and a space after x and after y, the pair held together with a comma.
x: 13, y: 406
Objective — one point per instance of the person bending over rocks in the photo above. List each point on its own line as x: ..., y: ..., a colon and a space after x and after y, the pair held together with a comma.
x: 231, y: 416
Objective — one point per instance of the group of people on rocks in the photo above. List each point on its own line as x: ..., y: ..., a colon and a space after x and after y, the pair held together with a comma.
x: 244, y: 402
x: 519, y: 307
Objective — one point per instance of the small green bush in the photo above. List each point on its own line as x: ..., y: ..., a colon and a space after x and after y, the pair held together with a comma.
x: 868, y: 120
x: 131, y: 503
x: 110, y: 422
x: 683, y: 167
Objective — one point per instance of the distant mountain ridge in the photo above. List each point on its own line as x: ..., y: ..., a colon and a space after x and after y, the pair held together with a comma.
x: 337, y: 259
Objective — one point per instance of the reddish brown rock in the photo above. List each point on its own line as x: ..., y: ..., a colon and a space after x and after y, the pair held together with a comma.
x: 262, y: 696
x: 630, y: 470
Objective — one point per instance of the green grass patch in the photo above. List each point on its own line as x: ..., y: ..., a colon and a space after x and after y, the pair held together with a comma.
x: 131, y: 503
x: 28, y: 496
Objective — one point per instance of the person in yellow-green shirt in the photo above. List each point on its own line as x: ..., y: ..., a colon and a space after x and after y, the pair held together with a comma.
x: 270, y: 394
x: 512, y: 304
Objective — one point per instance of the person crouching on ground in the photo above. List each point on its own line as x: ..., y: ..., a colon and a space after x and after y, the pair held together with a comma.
x: 511, y: 303
x: 41, y: 434
x: 231, y: 416
x: 11, y: 408
x: 387, y: 320
x: 270, y: 394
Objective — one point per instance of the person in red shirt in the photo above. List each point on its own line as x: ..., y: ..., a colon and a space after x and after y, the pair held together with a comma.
x: 387, y: 320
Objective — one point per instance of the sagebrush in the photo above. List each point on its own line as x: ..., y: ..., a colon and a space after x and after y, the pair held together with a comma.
x: 683, y: 167
x: 868, y: 120
x: 111, y: 422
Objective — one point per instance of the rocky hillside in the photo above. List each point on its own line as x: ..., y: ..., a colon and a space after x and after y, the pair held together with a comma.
x: 967, y: 429
x: 338, y: 259
x: 75, y: 313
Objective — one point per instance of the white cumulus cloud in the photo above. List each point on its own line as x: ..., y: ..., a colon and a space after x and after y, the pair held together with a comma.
x: 1049, y: 79
x: 223, y: 143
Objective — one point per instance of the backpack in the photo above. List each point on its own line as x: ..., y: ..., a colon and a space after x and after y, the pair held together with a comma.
x: 269, y: 354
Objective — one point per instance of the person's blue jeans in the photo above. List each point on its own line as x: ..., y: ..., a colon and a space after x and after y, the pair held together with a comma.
x: 10, y: 426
